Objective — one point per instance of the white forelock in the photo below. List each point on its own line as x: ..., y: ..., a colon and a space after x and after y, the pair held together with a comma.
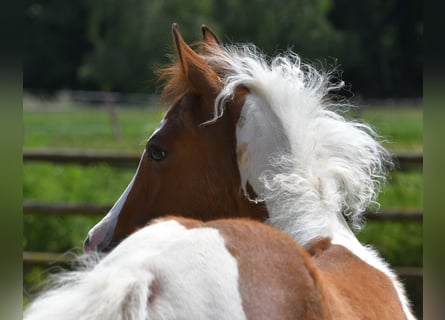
x: 163, y: 271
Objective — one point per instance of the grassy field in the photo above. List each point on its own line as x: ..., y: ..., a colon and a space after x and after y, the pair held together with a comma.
x: 89, y: 128
x: 401, y: 128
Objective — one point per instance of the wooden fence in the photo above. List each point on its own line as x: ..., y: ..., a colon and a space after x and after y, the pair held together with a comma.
x: 403, y: 161
x: 130, y: 160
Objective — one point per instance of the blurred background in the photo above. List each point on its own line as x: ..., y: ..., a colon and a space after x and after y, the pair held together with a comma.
x: 91, y: 100
x: 116, y: 45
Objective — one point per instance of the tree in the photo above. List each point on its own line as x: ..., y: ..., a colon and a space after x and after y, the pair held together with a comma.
x: 54, y: 43
x: 279, y: 25
x: 117, y: 45
x: 385, y: 39
x: 130, y: 39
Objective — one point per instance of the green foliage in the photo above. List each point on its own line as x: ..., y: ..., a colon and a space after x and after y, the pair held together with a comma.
x: 54, y: 43
x: 101, y: 184
x: 57, y: 233
x: 117, y: 45
x: 70, y: 183
x: 89, y: 129
x: 403, y: 190
x: 130, y: 38
x: 279, y: 25
x: 269, y: 24
x: 401, y: 131
x: 67, y: 184
x: 399, y: 243
x: 384, y: 41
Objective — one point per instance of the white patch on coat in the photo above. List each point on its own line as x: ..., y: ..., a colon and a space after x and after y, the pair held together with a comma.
x: 163, y: 271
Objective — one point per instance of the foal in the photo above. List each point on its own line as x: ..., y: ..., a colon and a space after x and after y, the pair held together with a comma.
x: 177, y: 268
x: 251, y: 136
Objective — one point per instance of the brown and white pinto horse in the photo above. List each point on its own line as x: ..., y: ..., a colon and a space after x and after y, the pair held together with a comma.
x: 250, y: 136
x: 177, y: 268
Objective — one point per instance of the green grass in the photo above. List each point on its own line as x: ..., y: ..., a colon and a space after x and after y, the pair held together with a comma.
x: 399, y: 243
x: 402, y: 190
x: 70, y: 183
x: 89, y: 128
x: 98, y: 184
x: 401, y: 128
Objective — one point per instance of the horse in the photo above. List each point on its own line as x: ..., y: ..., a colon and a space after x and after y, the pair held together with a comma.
x: 182, y: 268
x: 251, y: 136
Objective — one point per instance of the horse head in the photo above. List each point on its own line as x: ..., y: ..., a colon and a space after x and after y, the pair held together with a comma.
x: 189, y: 165
x: 247, y: 135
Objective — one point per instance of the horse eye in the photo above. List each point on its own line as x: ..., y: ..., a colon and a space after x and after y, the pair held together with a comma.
x: 156, y: 153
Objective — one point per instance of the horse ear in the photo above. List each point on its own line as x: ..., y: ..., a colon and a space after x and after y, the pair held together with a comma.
x: 196, y: 71
x: 209, y: 37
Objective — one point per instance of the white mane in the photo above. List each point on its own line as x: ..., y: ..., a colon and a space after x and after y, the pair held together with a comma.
x: 326, y: 163
x: 315, y: 169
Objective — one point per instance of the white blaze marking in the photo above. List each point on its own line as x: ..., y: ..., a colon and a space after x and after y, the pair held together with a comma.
x: 161, y: 125
x: 104, y: 229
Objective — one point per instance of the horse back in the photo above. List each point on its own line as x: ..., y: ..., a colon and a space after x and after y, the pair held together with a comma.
x: 276, y: 276
x: 356, y: 289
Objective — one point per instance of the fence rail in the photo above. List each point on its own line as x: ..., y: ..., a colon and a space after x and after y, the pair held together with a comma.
x: 40, y: 208
x: 82, y: 157
x: 121, y: 159
x: 403, y: 161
